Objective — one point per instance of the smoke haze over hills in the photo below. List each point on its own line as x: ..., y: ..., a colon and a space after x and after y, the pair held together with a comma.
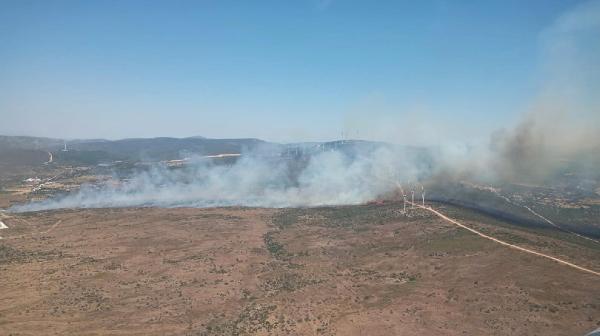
x: 558, y: 132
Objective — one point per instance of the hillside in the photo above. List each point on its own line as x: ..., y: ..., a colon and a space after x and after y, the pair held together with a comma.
x: 98, y: 150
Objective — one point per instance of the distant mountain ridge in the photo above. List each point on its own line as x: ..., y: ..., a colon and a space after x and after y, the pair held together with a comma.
x: 160, y: 148
x: 90, y: 151
x: 28, y: 142
x: 164, y: 148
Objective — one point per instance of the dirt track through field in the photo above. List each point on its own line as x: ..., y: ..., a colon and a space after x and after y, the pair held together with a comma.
x: 57, y: 223
x: 508, y: 200
x: 557, y: 226
x: 560, y: 261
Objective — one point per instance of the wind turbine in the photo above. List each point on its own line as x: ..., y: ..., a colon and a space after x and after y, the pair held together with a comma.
x: 403, y: 196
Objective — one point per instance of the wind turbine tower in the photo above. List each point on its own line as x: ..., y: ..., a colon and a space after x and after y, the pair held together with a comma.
x: 403, y: 197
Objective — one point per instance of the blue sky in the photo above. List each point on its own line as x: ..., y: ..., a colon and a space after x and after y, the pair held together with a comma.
x: 277, y: 70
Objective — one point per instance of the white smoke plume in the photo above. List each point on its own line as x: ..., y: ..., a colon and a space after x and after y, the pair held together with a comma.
x: 326, y: 178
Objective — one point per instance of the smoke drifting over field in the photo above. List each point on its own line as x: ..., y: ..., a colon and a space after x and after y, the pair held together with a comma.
x: 326, y: 178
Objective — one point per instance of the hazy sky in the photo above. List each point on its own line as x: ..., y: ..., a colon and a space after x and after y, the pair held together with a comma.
x: 277, y: 70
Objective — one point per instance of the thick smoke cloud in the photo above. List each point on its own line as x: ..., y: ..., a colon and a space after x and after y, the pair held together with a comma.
x: 562, y: 125
x: 325, y: 178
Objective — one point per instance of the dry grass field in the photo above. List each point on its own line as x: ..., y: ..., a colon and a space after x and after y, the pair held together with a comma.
x: 352, y: 270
